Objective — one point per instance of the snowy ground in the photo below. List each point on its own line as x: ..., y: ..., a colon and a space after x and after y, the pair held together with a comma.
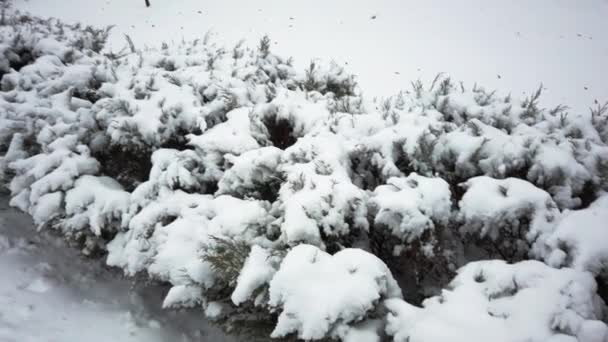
x: 511, y: 46
x: 49, y: 293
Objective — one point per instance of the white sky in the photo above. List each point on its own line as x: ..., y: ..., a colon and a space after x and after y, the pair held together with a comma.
x: 561, y: 43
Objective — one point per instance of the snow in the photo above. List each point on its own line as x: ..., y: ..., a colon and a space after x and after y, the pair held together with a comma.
x: 496, y: 301
x: 183, y: 296
x: 232, y: 136
x: 177, y: 251
x: 95, y: 202
x: 250, y: 170
x: 170, y: 250
x: 498, y: 203
x: 579, y: 241
x: 368, y: 331
x: 308, y: 276
x: 318, y: 196
x: 256, y: 272
x: 409, y: 206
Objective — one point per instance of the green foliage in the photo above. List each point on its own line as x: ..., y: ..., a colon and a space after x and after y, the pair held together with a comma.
x: 130, y: 43
x: 264, y: 46
x: 94, y: 39
x: 226, y: 257
x: 346, y: 104
x: 532, y: 113
x: 599, y: 118
x: 128, y: 165
x: 335, y: 81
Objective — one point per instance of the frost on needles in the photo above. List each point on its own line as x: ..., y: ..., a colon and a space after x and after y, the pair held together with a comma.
x: 288, y: 206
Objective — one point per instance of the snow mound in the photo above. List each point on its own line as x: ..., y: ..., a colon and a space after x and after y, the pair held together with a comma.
x: 256, y: 272
x: 96, y: 203
x: 510, y: 213
x: 309, y: 276
x: 579, y: 239
x: 410, y: 206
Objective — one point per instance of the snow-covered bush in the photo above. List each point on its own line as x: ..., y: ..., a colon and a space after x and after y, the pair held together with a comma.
x: 253, y: 174
x: 286, y: 204
x: 318, y: 204
x: 505, y: 216
x: 481, y: 134
x: 579, y: 236
x: 411, y: 216
x: 328, y: 78
x: 308, y: 276
x: 50, y: 73
x: 496, y: 301
x: 579, y: 241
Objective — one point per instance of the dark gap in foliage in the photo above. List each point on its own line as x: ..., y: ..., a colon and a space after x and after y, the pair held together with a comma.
x: 270, y: 192
x: 364, y: 173
x: 252, y: 324
x: 341, y: 89
x: 25, y: 57
x: 602, y: 287
x: 215, y: 118
x: 280, y: 132
x: 168, y: 219
x: 334, y: 244
x: 177, y: 142
x: 457, y: 190
x: 413, y: 270
x: 402, y: 162
x: 127, y: 166
x: 108, y: 235
x: 381, y: 244
x: 588, y: 194
x: 512, y: 244
x: 206, y: 188
x: 90, y: 95
x: 167, y: 65
x: 267, y: 191
x: 210, y: 188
